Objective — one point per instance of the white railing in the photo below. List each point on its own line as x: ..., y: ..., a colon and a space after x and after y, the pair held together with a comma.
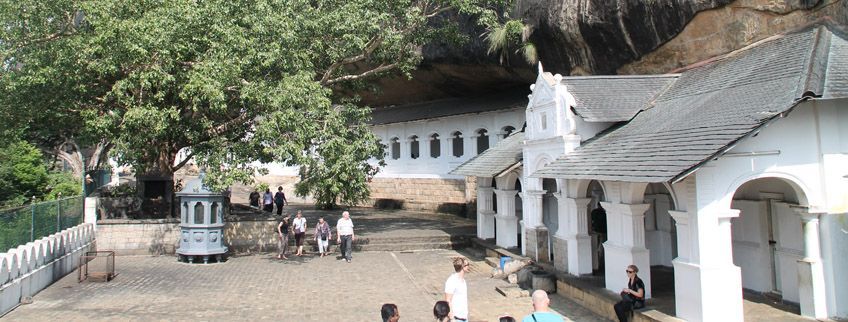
x: 28, y: 269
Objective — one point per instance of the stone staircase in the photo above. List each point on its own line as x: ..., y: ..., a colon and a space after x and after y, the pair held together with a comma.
x: 397, y: 244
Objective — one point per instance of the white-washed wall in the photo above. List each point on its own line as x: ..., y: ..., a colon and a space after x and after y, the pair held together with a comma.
x: 28, y: 269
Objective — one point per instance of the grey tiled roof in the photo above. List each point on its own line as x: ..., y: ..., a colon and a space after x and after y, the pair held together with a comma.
x: 710, y: 108
x: 496, y: 159
x: 502, y: 100
x: 615, y: 98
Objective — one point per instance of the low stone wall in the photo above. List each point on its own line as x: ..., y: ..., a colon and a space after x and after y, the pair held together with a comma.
x: 161, y: 236
x: 454, y: 196
x: 28, y: 269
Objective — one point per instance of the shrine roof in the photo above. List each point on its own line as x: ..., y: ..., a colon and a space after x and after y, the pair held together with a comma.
x: 501, y: 100
x: 615, y: 98
x: 495, y: 160
x: 711, y: 107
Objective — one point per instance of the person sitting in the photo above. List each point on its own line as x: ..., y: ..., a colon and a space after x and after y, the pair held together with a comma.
x: 632, y: 297
x: 541, y: 312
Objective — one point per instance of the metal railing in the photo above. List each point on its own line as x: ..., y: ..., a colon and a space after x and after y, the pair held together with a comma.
x: 19, y: 226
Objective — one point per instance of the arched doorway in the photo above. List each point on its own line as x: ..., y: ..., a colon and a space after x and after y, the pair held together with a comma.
x: 550, y: 212
x: 660, y: 229
x: 597, y: 224
x: 767, y: 237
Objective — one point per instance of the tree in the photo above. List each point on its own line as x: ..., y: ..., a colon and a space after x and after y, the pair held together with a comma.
x: 233, y: 84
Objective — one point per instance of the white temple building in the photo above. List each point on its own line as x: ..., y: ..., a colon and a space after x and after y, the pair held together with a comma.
x: 732, y: 173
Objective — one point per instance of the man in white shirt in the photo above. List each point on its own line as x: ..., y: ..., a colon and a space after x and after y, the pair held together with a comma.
x: 456, y: 290
x: 345, y: 236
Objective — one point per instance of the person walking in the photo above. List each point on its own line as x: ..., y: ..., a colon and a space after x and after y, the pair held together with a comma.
x: 541, y: 309
x: 280, y: 200
x: 345, y: 236
x: 456, y: 290
x: 299, y: 226
x: 284, y: 230
x: 268, y: 201
x: 389, y: 312
x: 323, y: 236
x: 632, y: 297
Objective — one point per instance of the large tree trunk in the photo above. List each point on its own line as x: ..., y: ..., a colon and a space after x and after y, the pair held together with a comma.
x: 156, y: 186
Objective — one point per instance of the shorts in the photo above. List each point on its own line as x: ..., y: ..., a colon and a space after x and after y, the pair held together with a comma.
x: 298, y: 238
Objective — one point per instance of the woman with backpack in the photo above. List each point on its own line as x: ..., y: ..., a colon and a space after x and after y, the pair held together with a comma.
x: 323, y: 234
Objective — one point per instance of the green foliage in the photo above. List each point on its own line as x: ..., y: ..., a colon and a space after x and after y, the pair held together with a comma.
x: 23, y: 174
x: 62, y: 184
x: 509, y: 35
x: 233, y: 83
x: 121, y: 190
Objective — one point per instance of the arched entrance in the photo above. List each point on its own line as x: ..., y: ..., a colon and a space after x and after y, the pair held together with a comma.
x: 660, y: 229
x: 767, y: 237
x: 550, y: 212
x: 597, y: 225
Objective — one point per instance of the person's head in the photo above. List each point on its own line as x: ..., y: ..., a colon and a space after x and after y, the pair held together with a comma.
x: 441, y: 310
x: 267, y: 189
x: 389, y: 312
x: 460, y: 264
x: 506, y: 318
x: 346, y: 215
x: 631, y: 270
x: 286, y: 216
x: 321, y: 220
x: 299, y: 214
x: 540, y: 300
x: 280, y: 188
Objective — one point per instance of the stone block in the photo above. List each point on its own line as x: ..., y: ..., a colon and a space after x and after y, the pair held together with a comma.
x: 512, y: 291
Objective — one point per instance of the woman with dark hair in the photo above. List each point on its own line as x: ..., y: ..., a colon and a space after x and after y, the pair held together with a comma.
x: 632, y: 297
x: 441, y: 311
x: 389, y: 312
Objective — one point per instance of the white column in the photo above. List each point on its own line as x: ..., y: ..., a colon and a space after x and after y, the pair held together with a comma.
x: 506, y: 221
x: 560, y: 244
x: 535, y: 233
x: 405, y: 149
x: 424, y: 147
x: 91, y: 210
x: 705, y: 277
x: 811, y: 287
x: 485, y: 214
x: 579, y: 241
x: 626, y: 245
x: 447, y: 147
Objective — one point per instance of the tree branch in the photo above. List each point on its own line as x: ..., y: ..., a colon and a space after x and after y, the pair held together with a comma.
x: 378, y: 69
x: 183, y: 162
x: 370, y: 47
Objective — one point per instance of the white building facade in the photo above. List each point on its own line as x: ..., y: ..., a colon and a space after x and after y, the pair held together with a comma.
x: 732, y: 174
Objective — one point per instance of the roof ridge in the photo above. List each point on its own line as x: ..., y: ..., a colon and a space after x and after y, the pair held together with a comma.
x: 669, y: 75
x: 816, y: 65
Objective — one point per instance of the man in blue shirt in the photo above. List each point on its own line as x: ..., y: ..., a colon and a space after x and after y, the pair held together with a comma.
x: 541, y: 312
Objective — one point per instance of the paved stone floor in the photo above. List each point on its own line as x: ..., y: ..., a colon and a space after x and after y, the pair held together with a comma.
x: 259, y: 287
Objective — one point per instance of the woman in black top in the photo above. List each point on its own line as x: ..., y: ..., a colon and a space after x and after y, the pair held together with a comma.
x: 631, y: 297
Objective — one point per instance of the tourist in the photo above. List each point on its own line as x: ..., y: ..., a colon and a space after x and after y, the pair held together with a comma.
x: 322, y: 236
x: 506, y: 318
x: 299, y: 226
x: 268, y: 201
x: 280, y: 200
x: 254, y: 199
x: 345, y: 236
x: 541, y: 312
x: 284, y: 230
x: 632, y: 297
x: 441, y: 311
x: 389, y: 312
x: 456, y: 290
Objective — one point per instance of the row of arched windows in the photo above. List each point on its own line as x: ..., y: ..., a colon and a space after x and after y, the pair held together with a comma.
x: 456, y: 140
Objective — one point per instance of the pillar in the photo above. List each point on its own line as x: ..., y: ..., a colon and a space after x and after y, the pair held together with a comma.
x: 405, y: 149
x: 535, y: 232
x: 811, y: 289
x: 578, y: 240
x: 705, y: 277
x: 485, y: 214
x: 506, y: 221
x: 626, y: 245
x: 560, y: 240
x: 91, y: 210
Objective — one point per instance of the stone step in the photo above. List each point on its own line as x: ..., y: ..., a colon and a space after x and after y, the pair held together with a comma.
x: 406, y: 247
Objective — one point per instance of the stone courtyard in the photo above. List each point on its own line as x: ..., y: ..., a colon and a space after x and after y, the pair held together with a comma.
x: 260, y: 287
